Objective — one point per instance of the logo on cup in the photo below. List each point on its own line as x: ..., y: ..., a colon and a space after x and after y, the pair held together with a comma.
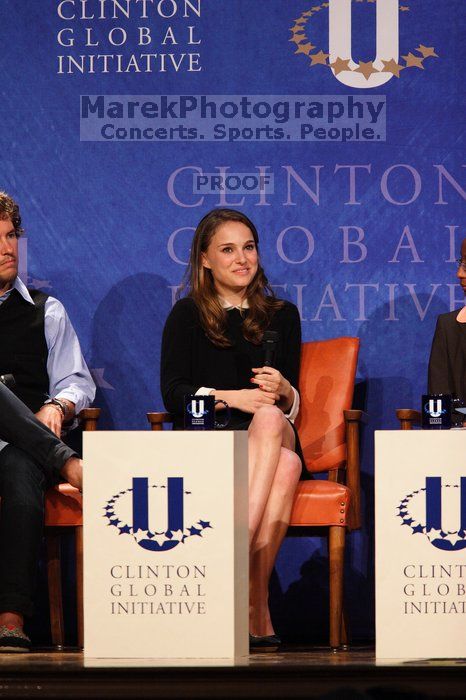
x: 434, y: 408
x: 436, y: 411
x: 196, y: 408
x: 199, y: 413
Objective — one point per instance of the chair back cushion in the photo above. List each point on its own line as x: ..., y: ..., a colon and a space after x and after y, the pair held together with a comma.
x: 326, y: 384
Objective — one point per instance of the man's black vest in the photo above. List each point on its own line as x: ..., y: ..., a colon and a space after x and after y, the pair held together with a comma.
x: 23, y: 348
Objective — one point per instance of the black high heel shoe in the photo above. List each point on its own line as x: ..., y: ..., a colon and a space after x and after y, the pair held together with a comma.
x: 269, y: 642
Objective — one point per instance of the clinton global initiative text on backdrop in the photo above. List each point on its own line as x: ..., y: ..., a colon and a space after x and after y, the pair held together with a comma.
x: 353, y: 243
x: 170, y: 26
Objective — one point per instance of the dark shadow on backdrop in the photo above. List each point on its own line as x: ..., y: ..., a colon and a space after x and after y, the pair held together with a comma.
x: 301, y: 612
x: 388, y: 348
x: 126, y: 339
x: 127, y: 331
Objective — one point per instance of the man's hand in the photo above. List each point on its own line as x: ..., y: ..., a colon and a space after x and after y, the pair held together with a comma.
x: 72, y: 472
x: 250, y: 400
x: 51, y: 416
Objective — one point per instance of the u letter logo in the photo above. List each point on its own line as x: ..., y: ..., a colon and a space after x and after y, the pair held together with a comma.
x: 149, y: 529
x: 141, y: 511
x: 387, y: 37
x: 434, y: 511
x: 435, y: 411
x: 197, y: 408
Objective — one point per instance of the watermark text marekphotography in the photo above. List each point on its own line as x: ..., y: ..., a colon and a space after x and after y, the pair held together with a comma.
x: 232, y: 118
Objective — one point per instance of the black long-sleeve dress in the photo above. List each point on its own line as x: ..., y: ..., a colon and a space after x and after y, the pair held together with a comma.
x: 190, y: 360
x: 447, y: 364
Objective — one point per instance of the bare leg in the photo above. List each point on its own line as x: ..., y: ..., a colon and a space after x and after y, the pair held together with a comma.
x: 269, y: 537
x: 268, y: 433
x: 274, y: 471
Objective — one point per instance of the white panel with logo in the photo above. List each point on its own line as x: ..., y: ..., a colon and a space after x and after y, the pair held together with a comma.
x: 420, y: 509
x: 166, y: 544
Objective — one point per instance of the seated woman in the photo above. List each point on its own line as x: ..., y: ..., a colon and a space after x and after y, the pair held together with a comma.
x: 447, y: 364
x: 212, y: 345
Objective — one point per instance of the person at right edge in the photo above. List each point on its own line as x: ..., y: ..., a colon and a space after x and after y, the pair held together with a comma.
x: 447, y: 364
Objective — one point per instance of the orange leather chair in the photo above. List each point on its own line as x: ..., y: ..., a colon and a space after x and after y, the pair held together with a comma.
x: 329, y: 435
x: 63, y: 509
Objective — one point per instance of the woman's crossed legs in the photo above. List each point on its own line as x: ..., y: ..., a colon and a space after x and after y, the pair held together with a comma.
x: 274, y: 471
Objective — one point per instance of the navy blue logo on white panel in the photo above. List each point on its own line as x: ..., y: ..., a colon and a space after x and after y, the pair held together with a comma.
x: 132, y: 512
x: 423, y: 512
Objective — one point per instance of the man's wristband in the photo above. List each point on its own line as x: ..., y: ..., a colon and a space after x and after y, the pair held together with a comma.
x: 59, y: 404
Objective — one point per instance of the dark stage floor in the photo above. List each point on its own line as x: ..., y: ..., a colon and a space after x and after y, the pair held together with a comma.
x: 292, y: 672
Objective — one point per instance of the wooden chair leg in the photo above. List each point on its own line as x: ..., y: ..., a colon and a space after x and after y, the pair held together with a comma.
x: 344, y: 630
x: 336, y: 563
x: 52, y: 541
x: 79, y: 585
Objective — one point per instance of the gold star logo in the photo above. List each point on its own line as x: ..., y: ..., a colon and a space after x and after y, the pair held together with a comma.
x: 366, y: 69
x: 297, y: 38
x: 426, y: 51
x: 300, y: 37
x: 319, y: 58
x: 305, y: 48
x: 392, y: 67
x: 340, y: 64
x: 413, y: 61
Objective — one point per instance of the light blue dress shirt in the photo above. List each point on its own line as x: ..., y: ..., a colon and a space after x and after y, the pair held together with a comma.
x: 69, y: 376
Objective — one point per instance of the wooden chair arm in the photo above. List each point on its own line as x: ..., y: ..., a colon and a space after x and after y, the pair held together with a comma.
x: 408, y: 417
x: 157, y: 419
x: 355, y: 414
x: 353, y: 418
x: 88, y: 418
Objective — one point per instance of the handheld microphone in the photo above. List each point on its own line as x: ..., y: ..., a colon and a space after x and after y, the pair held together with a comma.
x: 8, y: 380
x: 269, y: 345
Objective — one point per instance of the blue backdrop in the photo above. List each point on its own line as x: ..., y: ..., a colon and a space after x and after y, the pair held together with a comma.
x: 364, y: 251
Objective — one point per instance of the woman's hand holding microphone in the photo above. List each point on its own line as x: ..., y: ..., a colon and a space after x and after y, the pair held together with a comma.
x: 272, y: 382
x: 272, y: 390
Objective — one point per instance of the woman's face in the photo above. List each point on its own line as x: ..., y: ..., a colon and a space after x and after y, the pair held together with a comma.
x: 231, y: 257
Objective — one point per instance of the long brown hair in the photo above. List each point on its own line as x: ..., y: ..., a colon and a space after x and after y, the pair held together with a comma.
x: 201, y: 287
